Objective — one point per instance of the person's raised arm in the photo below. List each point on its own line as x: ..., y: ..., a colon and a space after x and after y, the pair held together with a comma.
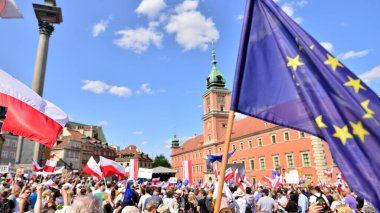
x: 38, y: 205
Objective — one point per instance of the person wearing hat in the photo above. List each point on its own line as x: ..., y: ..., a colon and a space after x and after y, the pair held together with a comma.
x: 266, y: 204
x: 241, y: 203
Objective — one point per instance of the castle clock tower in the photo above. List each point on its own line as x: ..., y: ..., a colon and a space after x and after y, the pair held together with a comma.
x: 216, y: 103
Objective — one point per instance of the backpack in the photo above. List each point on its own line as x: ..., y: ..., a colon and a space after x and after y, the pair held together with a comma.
x: 6, y: 206
x: 322, y: 202
x: 208, y: 204
x: 248, y: 208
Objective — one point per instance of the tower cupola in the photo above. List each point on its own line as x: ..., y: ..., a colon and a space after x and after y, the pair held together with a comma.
x: 175, y: 141
x: 215, y: 79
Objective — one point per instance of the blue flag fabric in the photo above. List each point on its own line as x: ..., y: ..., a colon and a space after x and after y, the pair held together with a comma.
x: 128, y: 193
x: 186, y: 182
x: 213, y: 158
x: 284, y: 76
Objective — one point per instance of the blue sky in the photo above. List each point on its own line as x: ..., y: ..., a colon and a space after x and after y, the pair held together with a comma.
x: 138, y: 67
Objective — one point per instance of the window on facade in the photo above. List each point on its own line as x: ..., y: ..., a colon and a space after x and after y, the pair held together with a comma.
x: 302, y: 134
x: 276, y: 162
x: 220, y: 99
x: 259, y: 141
x: 224, y: 125
x: 290, y: 160
x: 250, y: 144
x: 241, y: 146
x: 201, y: 169
x: 221, y: 108
x: 196, y: 169
x: 233, y: 146
x: 243, y: 162
x: 265, y: 124
x: 4, y: 154
x: 262, y: 163
x: 12, y: 155
x: 286, y: 136
x: 273, y: 139
x: 208, y: 125
x: 306, y: 159
x: 252, y: 164
x: 208, y: 104
x: 209, y: 137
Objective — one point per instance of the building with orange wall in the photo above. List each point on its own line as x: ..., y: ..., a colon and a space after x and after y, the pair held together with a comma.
x: 261, y: 146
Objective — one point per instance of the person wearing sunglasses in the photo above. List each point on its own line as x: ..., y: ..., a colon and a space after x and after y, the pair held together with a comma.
x: 24, y: 201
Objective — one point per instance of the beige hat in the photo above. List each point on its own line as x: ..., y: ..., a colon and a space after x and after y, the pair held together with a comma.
x: 163, y: 208
x: 179, y: 191
x: 238, y: 193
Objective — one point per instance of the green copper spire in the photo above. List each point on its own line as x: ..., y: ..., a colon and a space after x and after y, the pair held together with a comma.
x: 175, y: 141
x: 215, y: 79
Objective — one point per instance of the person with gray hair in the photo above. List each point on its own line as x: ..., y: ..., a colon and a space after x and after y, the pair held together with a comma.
x: 83, y: 204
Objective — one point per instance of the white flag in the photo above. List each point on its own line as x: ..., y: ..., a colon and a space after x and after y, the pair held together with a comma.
x: 9, y: 9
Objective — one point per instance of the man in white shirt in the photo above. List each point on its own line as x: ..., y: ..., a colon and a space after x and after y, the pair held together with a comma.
x: 316, y: 193
x: 145, y: 194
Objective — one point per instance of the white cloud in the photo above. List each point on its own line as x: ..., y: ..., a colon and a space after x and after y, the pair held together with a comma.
x: 289, y: 10
x: 138, y: 133
x: 372, y: 75
x: 120, y: 91
x: 99, y: 87
x: 100, y: 27
x: 144, y: 143
x: 239, y: 116
x: 239, y: 17
x: 353, y: 54
x: 145, y: 88
x: 187, y: 5
x: 103, y: 123
x: 96, y: 87
x: 192, y: 28
x: 302, y: 3
x: 328, y: 46
x: 138, y: 40
x: 151, y: 8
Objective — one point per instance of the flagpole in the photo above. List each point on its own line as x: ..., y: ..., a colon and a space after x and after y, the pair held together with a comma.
x: 226, y: 147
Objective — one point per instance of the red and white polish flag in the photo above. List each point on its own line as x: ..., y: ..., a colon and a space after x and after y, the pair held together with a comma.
x: 50, y: 166
x: 229, y: 174
x: 29, y: 115
x: 188, y: 171
x: 328, y: 173
x: 92, y: 169
x: 133, y: 169
x: 9, y: 9
x: 110, y: 168
x: 37, y: 167
x: 237, y: 177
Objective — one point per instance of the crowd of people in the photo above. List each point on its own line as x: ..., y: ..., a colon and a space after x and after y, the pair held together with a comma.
x: 71, y: 194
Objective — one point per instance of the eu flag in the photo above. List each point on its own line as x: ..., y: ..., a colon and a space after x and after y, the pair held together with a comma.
x: 286, y: 77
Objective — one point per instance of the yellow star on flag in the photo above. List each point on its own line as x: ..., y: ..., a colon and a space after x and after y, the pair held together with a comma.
x: 333, y: 62
x: 359, y: 130
x: 294, y: 62
x: 342, y: 134
x: 299, y: 45
x: 369, y: 112
x: 319, y: 122
x: 354, y: 83
x: 312, y: 46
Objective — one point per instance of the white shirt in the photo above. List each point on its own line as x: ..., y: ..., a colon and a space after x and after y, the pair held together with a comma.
x: 142, y: 201
x: 241, y: 205
x: 313, y: 198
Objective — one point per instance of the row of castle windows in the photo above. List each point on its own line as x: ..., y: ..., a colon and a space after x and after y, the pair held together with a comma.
x: 273, y: 139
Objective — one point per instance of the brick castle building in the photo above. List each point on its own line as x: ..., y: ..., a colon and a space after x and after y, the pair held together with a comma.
x: 261, y: 146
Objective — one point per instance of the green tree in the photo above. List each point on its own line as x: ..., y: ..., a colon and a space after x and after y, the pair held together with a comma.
x: 160, y: 160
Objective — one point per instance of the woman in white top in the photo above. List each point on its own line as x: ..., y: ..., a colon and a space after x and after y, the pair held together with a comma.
x: 337, y: 201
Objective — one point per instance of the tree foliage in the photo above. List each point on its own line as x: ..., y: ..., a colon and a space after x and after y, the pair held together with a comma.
x: 160, y: 160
